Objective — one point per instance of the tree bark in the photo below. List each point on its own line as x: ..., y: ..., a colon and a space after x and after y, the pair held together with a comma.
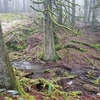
x: 89, y: 11
x: 6, y: 8
x: 60, y: 14
x: 93, y: 14
x: 68, y: 10
x: 73, y: 12
x: 0, y: 7
x: 24, y: 5
x: 49, y: 47
x: 85, y: 12
x: 7, y: 77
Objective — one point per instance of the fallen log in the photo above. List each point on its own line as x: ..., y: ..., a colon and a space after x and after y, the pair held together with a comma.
x: 91, y: 88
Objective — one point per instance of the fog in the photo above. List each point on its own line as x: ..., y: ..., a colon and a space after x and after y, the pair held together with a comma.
x: 23, y: 6
x: 16, y: 6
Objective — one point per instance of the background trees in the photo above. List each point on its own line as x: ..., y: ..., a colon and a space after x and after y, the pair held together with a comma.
x: 87, y: 9
x: 55, y: 15
x: 63, y: 14
x: 14, y: 6
x: 73, y: 12
x: 6, y: 8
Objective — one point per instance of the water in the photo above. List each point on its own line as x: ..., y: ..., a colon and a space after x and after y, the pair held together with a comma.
x: 70, y: 83
x: 23, y: 64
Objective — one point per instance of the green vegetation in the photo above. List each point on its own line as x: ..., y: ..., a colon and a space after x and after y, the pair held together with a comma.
x: 10, y: 16
x: 95, y: 46
x: 18, y: 40
x: 58, y: 47
x: 74, y: 47
x: 50, y: 88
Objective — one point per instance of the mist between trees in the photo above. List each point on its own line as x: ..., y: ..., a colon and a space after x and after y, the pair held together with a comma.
x: 85, y: 8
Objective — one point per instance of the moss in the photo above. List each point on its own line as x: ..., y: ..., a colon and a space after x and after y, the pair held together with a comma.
x: 82, y: 50
x: 56, y: 39
x: 14, y: 46
x: 42, y: 55
x: 50, y: 59
x: 95, y: 46
x: 58, y: 47
x: 74, y: 47
x: 58, y: 57
x: 14, y: 82
x: 19, y: 88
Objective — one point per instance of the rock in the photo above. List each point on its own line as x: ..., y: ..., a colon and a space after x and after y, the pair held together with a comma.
x: 2, y: 90
x: 13, y: 92
x: 98, y: 94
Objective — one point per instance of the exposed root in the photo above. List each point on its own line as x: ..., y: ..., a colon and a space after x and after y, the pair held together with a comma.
x: 74, y: 47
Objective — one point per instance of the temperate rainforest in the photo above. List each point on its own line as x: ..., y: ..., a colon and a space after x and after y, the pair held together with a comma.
x: 49, y: 49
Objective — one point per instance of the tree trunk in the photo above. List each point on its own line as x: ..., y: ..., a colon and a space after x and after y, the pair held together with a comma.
x: 89, y: 15
x: 49, y: 47
x: 93, y: 14
x: 73, y: 12
x: 24, y: 5
x: 7, y: 76
x: 60, y: 14
x: 0, y: 7
x: 85, y: 12
x: 5, y: 3
x: 68, y: 10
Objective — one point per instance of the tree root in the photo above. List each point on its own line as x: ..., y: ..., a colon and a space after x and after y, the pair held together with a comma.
x: 74, y: 47
x: 90, y: 61
x: 95, y: 57
x: 95, y: 46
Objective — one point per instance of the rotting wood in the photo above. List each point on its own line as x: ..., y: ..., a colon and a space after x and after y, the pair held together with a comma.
x: 91, y: 88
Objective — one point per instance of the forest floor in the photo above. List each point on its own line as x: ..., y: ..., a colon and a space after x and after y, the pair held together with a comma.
x: 78, y: 71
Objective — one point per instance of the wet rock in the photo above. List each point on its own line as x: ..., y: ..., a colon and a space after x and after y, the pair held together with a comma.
x: 13, y: 92
x: 2, y: 90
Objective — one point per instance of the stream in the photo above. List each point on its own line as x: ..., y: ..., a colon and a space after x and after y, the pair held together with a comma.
x: 74, y: 84
x: 25, y: 65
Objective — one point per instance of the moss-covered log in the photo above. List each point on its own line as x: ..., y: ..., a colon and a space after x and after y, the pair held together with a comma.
x: 91, y: 88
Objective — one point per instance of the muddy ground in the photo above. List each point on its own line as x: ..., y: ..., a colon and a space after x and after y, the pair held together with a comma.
x: 79, y: 67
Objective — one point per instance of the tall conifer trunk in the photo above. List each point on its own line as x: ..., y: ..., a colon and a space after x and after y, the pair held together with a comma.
x: 49, y: 47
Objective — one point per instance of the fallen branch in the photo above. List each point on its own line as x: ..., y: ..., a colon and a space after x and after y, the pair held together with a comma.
x: 90, y: 61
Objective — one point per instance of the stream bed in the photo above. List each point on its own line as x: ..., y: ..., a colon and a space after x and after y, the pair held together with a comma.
x: 73, y: 84
x: 25, y: 65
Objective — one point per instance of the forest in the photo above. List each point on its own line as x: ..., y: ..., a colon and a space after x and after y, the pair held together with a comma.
x: 49, y: 49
